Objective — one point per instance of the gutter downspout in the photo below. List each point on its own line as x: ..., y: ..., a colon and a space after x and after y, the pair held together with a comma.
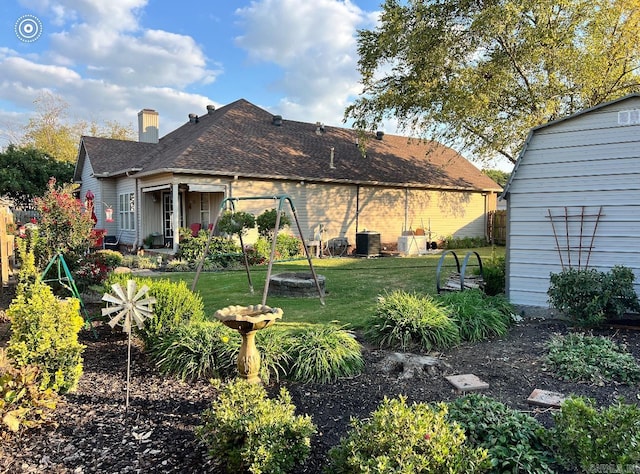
x: 357, y: 206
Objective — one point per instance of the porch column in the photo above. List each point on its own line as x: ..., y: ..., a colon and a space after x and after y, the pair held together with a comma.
x: 175, y: 218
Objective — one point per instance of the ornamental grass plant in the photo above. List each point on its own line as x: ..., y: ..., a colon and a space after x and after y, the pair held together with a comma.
x: 407, y: 321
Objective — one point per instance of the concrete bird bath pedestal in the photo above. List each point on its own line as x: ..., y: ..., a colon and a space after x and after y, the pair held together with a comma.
x: 247, y: 320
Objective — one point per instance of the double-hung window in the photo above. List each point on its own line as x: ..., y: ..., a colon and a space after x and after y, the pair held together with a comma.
x: 126, y: 211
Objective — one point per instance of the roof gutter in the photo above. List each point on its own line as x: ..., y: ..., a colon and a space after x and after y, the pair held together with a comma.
x: 317, y: 180
x: 114, y: 174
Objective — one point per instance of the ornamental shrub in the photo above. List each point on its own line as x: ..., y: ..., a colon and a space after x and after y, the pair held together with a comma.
x: 287, y: 246
x: 399, y: 438
x: 323, y: 353
x: 586, y: 437
x: 588, y: 297
x: 64, y: 226
x: 23, y: 405
x: 44, y: 333
x: 494, y: 274
x: 266, y: 222
x: 175, y: 305
x: 236, y: 223
x: 476, y: 315
x: 590, y: 359
x: 223, y: 252
x: 405, y: 320
x: 247, y: 432
x: 514, y: 440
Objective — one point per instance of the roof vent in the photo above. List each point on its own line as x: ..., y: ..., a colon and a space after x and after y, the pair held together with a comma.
x: 379, y: 135
x: 331, y: 156
x: 277, y: 120
x: 193, y: 118
x: 319, y: 128
x: 211, y: 109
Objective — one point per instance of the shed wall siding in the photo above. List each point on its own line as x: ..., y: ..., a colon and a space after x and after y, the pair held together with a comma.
x: 575, y: 166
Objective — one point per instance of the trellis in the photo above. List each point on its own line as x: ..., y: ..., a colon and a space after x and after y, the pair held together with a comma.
x: 567, y: 242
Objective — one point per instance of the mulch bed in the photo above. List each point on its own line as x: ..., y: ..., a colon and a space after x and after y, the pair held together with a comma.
x: 93, y: 434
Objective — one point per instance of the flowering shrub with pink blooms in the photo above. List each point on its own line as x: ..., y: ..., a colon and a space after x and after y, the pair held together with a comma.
x: 64, y: 225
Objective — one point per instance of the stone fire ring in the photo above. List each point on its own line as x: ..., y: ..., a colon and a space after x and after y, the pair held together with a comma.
x: 295, y: 284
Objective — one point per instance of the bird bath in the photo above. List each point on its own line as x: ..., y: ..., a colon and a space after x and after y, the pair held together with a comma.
x: 247, y: 320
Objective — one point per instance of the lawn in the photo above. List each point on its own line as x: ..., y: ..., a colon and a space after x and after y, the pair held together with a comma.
x: 352, y: 285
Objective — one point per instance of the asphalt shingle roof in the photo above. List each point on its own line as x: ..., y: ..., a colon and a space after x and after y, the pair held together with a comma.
x: 240, y: 139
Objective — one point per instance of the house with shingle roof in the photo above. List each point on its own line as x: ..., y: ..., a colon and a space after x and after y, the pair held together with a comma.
x: 340, y: 183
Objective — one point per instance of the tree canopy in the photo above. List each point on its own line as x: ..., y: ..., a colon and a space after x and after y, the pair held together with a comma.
x: 25, y: 173
x: 478, y: 74
x: 52, y: 132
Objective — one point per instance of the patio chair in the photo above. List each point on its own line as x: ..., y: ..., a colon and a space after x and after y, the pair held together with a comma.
x: 111, y: 242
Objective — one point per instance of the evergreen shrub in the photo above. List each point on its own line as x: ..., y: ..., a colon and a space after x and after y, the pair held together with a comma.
x: 44, y: 333
x: 587, y: 438
x: 247, y: 432
x: 401, y: 438
x: 175, y: 305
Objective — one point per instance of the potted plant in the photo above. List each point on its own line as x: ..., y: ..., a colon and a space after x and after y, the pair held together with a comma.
x: 147, y: 242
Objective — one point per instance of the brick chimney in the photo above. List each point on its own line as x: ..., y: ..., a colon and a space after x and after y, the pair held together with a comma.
x: 148, y: 126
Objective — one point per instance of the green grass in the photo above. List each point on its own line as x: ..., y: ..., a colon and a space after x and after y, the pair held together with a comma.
x: 352, y: 286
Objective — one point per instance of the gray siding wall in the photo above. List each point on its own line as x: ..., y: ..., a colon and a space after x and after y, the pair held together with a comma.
x: 579, y: 165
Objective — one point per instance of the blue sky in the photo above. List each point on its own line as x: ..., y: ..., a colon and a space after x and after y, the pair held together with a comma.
x: 108, y: 59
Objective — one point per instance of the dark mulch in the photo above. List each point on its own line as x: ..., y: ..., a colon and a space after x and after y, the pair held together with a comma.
x: 93, y: 433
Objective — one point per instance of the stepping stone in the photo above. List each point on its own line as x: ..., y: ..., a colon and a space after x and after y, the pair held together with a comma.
x: 544, y: 398
x: 467, y: 382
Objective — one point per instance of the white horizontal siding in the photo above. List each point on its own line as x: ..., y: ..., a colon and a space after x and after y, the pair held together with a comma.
x: 586, y: 161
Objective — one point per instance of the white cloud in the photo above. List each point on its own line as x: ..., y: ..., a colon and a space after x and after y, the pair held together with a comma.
x: 105, y: 65
x: 315, y: 45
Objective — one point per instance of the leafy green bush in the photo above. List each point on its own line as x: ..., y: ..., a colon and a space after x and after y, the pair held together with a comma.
x: 175, y: 305
x: 267, y: 222
x: 109, y: 258
x: 588, y: 296
x: 401, y: 438
x: 247, y: 432
x: 200, y: 350
x: 287, y: 246
x: 223, y: 252
x: 236, y: 223
x: 23, y: 404
x: 44, y: 333
x: 515, y: 441
x: 585, y: 437
x: 275, y: 358
x: 592, y: 359
x: 451, y: 242
x: 405, y: 320
x: 476, y: 315
x: 323, y: 354
x: 494, y: 274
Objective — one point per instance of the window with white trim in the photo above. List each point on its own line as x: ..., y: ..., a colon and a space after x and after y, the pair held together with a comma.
x: 126, y: 211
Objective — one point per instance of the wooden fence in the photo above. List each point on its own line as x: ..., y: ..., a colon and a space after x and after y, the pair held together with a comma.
x: 497, y: 227
x: 7, y: 243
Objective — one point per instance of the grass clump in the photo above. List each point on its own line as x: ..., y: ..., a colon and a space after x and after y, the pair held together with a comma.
x: 323, y: 354
x: 405, y: 320
x: 592, y: 359
x: 247, y: 432
x: 478, y: 316
x: 200, y: 350
x: 515, y: 441
x: 585, y: 437
x: 402, y: 438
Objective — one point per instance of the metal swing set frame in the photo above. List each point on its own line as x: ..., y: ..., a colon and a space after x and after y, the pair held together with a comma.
x: 230, y: 204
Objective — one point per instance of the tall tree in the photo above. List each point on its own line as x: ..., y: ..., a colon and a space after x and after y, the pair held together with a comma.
x: 52, y: 132
x: 481, y: 73
x: 25, y: 173
x: 49, y: 131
